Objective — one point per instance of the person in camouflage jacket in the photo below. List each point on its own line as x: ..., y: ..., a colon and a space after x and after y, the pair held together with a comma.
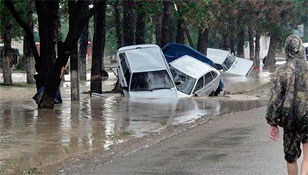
x: 288, y: 105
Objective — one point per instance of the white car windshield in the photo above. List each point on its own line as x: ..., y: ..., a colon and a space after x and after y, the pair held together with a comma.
x: 149, y: 81
x: 228, y: 62
x: 184, y: 83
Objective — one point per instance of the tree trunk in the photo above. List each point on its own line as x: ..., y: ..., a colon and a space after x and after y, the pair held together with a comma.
x: 257, y: 50
x: 48, y: 32
x: 270, y: 60
x: 251, y: 44
x: 165, y: 27
x: 117, y: 22
x: 180, y: 30
x: 157, y: 22
x: 7, y: 60
x: 74, y: 55
x: 30, y: 69
x: 203, y: 36
x: 140, y: 24
x: 240, y: 42
x: 98, y: 47
x: 128, y: 23
x: 232, y: 45
x: 225, y: 41
x: 83, y: 49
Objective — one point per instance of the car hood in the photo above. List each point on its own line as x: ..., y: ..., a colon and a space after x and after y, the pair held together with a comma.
x: 240, y: 67
x: 155, y: 94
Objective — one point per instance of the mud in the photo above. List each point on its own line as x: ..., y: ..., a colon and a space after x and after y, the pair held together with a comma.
x: 32, y: 138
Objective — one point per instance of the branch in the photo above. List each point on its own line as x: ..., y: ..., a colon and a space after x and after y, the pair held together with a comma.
x: 26, y: 28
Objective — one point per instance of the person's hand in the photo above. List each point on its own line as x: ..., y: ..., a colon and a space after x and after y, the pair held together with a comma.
x: 274, y: 133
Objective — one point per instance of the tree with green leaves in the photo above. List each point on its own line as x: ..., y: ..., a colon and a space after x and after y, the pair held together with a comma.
x: 49, y: 67
x: 9, y: 30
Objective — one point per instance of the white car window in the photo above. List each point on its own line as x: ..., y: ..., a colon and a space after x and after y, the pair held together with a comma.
x: 214, y: 74
x: 207, y: 78
x: 184, y: 83
x: 228, y: 62
x: 199, y: 85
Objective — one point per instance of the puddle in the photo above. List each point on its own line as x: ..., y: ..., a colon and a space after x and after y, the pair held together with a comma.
x: 31, y: 138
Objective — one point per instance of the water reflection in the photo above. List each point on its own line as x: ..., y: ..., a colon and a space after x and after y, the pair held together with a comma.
x: 31, y: 137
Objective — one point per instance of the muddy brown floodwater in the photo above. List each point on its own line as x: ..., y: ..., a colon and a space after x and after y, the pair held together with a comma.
x: 32, y: 138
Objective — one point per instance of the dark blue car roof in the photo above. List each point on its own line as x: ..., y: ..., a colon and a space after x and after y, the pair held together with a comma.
x: 173, y: 51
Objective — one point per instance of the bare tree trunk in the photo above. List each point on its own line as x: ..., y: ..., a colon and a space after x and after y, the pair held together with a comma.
x: 240, y: 42
x: 203, y: 36
x: 48, y: 32
x: 74, y: 74
x: 225, y: 41
x: 165, y: 27
x: 98, y: 47
x: 117, y: 24
x: 257, y: 50
x: 188, y: 36
x: 232, y: 44
x: 83, y: 49
x: 157, y: 22
x: 7, y: 60
x: 215, y: 40
x: 140, y: 24
x: 74, y: 55
x: 271, y: 60
x: 180, y: 30
x: 128, y: 27
x: 251, y: 43
x: 30, y: 69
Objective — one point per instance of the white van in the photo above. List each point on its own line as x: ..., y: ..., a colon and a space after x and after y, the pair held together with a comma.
x: 193, y: 77
x: 144, y: 72
x: 230, y: 64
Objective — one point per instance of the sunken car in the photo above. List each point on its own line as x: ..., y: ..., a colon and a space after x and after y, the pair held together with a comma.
x: 173, y: 51
x: 193, y: 77
x: 144, y: 72
x: 230, y: 64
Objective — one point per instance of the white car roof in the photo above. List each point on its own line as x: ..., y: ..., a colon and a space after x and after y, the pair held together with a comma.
x: 191, y: 66
x: 305, y: 44
x: 217, y: 55
x: 146, y: 57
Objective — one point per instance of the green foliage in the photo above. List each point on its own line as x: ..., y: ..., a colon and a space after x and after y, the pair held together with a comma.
x: 8, y: 21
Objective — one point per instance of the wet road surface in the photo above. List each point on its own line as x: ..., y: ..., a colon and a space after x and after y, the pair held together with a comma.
x: 231, y: 145
x: 32, y: 138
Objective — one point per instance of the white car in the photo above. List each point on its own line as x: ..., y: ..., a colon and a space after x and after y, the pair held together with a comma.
x: 230, y: 64
x: 193, y: 77
x: 144, y: 72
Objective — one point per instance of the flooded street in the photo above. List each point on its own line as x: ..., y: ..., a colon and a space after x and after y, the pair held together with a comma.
x: 31, y: 138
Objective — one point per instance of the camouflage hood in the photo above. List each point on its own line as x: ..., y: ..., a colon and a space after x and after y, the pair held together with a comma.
x: 294, y: 48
